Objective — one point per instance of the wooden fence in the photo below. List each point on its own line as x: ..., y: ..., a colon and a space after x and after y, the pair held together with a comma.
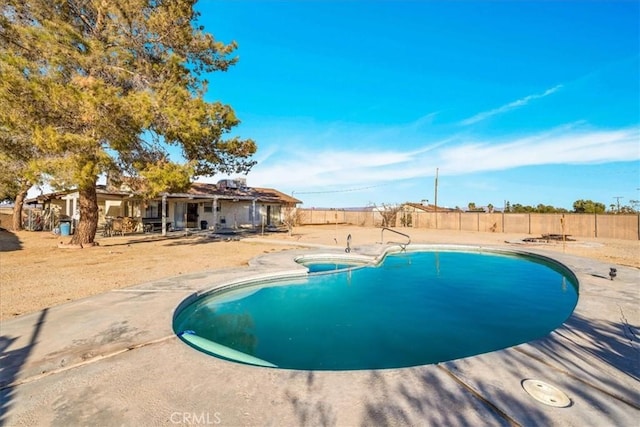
x: 614, y: 226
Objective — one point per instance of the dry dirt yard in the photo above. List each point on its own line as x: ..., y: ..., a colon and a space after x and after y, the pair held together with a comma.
x: 35, y: 273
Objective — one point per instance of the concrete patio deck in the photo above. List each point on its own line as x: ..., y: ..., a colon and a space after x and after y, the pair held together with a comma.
x: 113, y: 359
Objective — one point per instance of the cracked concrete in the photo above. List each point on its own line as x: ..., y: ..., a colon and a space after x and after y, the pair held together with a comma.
x: 113, y: 359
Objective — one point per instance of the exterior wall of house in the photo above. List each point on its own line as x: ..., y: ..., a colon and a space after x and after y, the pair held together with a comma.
x: 116, y: 208
x: 224, y: 213
x: 59, y: 205
x: 207, y: 212
x: 185, y: 212
x: 235, y: 214
x: 268, y: 214
x: 70, y: 206
x: 113, y: 208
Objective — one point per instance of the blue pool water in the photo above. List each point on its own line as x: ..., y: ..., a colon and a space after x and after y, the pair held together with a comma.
x: 324, y: 267
x: 415, y: 308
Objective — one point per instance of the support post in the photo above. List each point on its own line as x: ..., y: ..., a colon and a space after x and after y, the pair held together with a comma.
x: 215, y: 212
x: 253, y: 215
x: 164, y: 214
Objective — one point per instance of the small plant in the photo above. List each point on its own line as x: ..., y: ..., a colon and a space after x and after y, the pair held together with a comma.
x: 389, y: 215
x: 292, y: 217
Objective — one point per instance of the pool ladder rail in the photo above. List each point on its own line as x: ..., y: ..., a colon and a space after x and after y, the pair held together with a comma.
x: 402, y: 245
x: 348, y: 248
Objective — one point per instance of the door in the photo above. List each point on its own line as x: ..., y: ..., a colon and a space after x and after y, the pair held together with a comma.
x: 192, y: 215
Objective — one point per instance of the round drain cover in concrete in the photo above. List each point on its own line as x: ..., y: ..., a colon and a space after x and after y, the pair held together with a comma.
x: 545, y: 393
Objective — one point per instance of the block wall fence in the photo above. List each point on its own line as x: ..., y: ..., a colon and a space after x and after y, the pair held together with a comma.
x: 622, y: 226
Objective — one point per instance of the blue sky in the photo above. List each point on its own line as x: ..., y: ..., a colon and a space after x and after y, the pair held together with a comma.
x: 354, y: 103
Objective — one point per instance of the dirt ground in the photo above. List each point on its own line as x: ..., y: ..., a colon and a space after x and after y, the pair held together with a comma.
x: 35, y: 273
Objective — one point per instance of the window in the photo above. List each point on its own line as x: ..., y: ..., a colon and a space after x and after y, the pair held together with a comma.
x: 208, y: 206
x: 152, y: 210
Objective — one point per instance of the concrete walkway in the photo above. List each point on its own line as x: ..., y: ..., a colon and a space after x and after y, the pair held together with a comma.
x: 113, y: 359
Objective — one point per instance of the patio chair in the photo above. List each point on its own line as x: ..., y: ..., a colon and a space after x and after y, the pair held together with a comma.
x: 117, y: 227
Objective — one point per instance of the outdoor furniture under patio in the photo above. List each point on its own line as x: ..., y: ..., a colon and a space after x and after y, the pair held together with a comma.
x: 154, y: 224
x: 129, y: 225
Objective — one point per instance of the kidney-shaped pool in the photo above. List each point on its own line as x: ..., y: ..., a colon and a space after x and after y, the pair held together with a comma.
x: 415, y: 308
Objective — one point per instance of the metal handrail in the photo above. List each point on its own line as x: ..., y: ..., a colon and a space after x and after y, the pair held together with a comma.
x: 402, y: 245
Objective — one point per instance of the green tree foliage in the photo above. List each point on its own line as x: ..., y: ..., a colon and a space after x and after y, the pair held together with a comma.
x: 16, y: 177
x: 540, y: 208
x: 18, y: 155
x: 518, y: 208
x: 471, y: 207
x: 588, y: 206
x: 9, y: 187
x: 110, y: 86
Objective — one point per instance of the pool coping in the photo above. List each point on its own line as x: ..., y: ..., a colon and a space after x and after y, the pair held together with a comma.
x: 112, y: 359
x: 290, y: 269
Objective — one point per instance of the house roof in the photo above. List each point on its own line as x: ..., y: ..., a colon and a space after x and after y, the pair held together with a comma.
x: 428, y: 208
x: 270, y: 192
x: 197, y: 190
x: 200, y: 189
x: 100, y: 190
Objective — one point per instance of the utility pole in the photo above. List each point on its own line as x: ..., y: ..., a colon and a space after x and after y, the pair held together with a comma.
x: 504, y: 209
x: 436, y: 198
x: 618, y: 201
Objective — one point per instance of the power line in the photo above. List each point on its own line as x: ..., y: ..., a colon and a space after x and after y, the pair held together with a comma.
x: 338, y: 191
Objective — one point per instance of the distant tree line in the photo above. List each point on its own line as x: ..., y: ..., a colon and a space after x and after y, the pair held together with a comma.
x: 579, y: 206
x: 540, y: 208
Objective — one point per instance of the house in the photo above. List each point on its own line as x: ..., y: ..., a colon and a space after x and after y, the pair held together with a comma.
x: 420, y: 207
x: 407, y: 210
x: 227, y: 204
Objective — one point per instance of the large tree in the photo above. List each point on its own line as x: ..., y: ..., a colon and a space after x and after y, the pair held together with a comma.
x: 588, y: 206
x: 109, y: 86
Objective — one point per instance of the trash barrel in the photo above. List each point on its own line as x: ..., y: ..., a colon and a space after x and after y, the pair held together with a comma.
x: 204, y: 225
x: 65, y: 228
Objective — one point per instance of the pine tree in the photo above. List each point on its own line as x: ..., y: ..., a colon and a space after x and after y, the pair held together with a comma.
x: 109, y: 86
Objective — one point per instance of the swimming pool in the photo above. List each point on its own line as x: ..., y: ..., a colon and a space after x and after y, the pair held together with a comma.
x: 414, y: 308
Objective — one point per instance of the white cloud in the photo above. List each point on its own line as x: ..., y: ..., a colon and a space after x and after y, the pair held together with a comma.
x: 544, y: 149
x: 307, y: 168
x: 508, y: 107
